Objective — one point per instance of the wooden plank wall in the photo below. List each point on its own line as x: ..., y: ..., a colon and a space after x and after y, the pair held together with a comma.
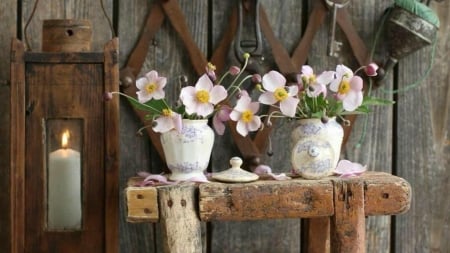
x: 409, y: 139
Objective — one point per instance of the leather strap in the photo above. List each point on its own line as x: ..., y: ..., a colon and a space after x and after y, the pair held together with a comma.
x: 134, y: 64
x: 356, y: 43
x: 316, y: 19
x: 178, y: 21
x: 137, y: 57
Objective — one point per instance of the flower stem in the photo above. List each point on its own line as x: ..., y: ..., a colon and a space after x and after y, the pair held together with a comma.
x: 136, y: 101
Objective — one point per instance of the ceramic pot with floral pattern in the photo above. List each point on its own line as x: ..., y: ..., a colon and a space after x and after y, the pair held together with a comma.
x: 316, y: 147
x: 188, y: 152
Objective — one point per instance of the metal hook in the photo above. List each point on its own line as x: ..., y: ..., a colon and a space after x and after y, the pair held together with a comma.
x: 253, y: 46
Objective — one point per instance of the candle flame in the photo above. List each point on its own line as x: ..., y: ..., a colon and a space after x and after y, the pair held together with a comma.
x: 65, y: 138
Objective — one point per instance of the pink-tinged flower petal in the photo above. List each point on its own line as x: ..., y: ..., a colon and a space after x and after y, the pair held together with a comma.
x: 242, y: 103
x: 143, y: 96
x: 347, y: 168
x: 342, y: 70
x: 218, y: 125
x: 255, y: 124
x: 217, y: 94
x: 326, y: 77
x: 371, y: 69
x: 307, y: 70
x: 288, y: 106
x: 356, y: 83
x: 163, y: 124
x: 143, y: 174
x: 273, y: 80
x: 243, y: 93
x: 159, y: 178
x: 177, y: 122
x: 187, y: 96
x: 159, y: 94
x: 155, y: 179
x: 352, y: 100
x: 267, y: 98
x: 241, y: 128
x: 204, y: 83
x: 253, y: 106
x: 141, y: 82
x: 316, y: 89
x: 279, y: 177
x: 262, y: 169
x: 334, y: 85
x: 152, y: 75
x: 292, y: 90
x: 224, y: 113
x: 235, y: 115
x: 204, y: 109
x: 167, y: 123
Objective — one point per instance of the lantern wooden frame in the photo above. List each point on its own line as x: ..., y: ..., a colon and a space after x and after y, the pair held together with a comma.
x: 104, y: 65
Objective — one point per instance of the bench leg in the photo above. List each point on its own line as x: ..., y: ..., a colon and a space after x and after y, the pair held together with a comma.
x: 180, y: 225
x: 318, y: 235
x: 348, y: 222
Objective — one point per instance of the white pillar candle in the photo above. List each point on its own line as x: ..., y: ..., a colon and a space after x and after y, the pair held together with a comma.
x: 64, y: 189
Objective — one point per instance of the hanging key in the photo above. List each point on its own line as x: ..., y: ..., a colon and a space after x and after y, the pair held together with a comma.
x: 334, y: 46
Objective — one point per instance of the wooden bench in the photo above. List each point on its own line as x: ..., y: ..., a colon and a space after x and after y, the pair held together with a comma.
x: 335, y: 207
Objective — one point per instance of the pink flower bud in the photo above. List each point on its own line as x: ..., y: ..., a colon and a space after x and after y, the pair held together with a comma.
x: 371, y: 69
x: 256, y: 78
x: 107, y: 96
x: 211, y: 71
x: 212, y: 76
x: 234, y: 70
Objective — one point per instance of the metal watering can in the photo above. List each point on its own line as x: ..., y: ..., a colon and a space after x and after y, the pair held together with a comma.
x: 406, y: 32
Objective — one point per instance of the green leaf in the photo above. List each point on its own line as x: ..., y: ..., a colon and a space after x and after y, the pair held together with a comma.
x: 362, y: 109
x: 377, y: 101
x: 317, y: 115
x: 152, y: 107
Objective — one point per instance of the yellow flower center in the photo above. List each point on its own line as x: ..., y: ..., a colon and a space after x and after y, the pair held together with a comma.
x: 312, y: 79
x: 167, y: 112
x: 211, y: 66
x: 247, y: 116
x: 344, y: 87
x: 202, y: 96
x: 280, y: 94
x: 151, y: 87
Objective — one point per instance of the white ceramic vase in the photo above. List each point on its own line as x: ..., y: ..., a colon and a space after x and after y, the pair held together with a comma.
x: 188, y: 153
x: 316, y: 147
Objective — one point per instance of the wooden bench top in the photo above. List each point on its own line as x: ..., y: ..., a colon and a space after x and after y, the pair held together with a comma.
x: 384, y: 194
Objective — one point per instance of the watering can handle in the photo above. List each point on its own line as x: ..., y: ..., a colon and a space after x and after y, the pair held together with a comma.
x: 34, y: 10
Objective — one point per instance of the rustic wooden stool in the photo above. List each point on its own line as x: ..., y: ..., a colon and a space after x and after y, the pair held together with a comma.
x: 336, y: 207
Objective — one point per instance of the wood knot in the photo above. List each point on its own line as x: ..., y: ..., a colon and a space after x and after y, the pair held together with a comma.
x: 169, y: 203
x: 183, y: 203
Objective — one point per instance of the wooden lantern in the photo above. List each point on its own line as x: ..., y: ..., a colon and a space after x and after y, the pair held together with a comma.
x: 64, y: 148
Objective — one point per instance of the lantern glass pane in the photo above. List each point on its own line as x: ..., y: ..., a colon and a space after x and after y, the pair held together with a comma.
x: 64, y: 174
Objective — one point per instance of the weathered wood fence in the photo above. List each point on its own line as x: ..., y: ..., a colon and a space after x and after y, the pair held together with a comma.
x: 410, y: 139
